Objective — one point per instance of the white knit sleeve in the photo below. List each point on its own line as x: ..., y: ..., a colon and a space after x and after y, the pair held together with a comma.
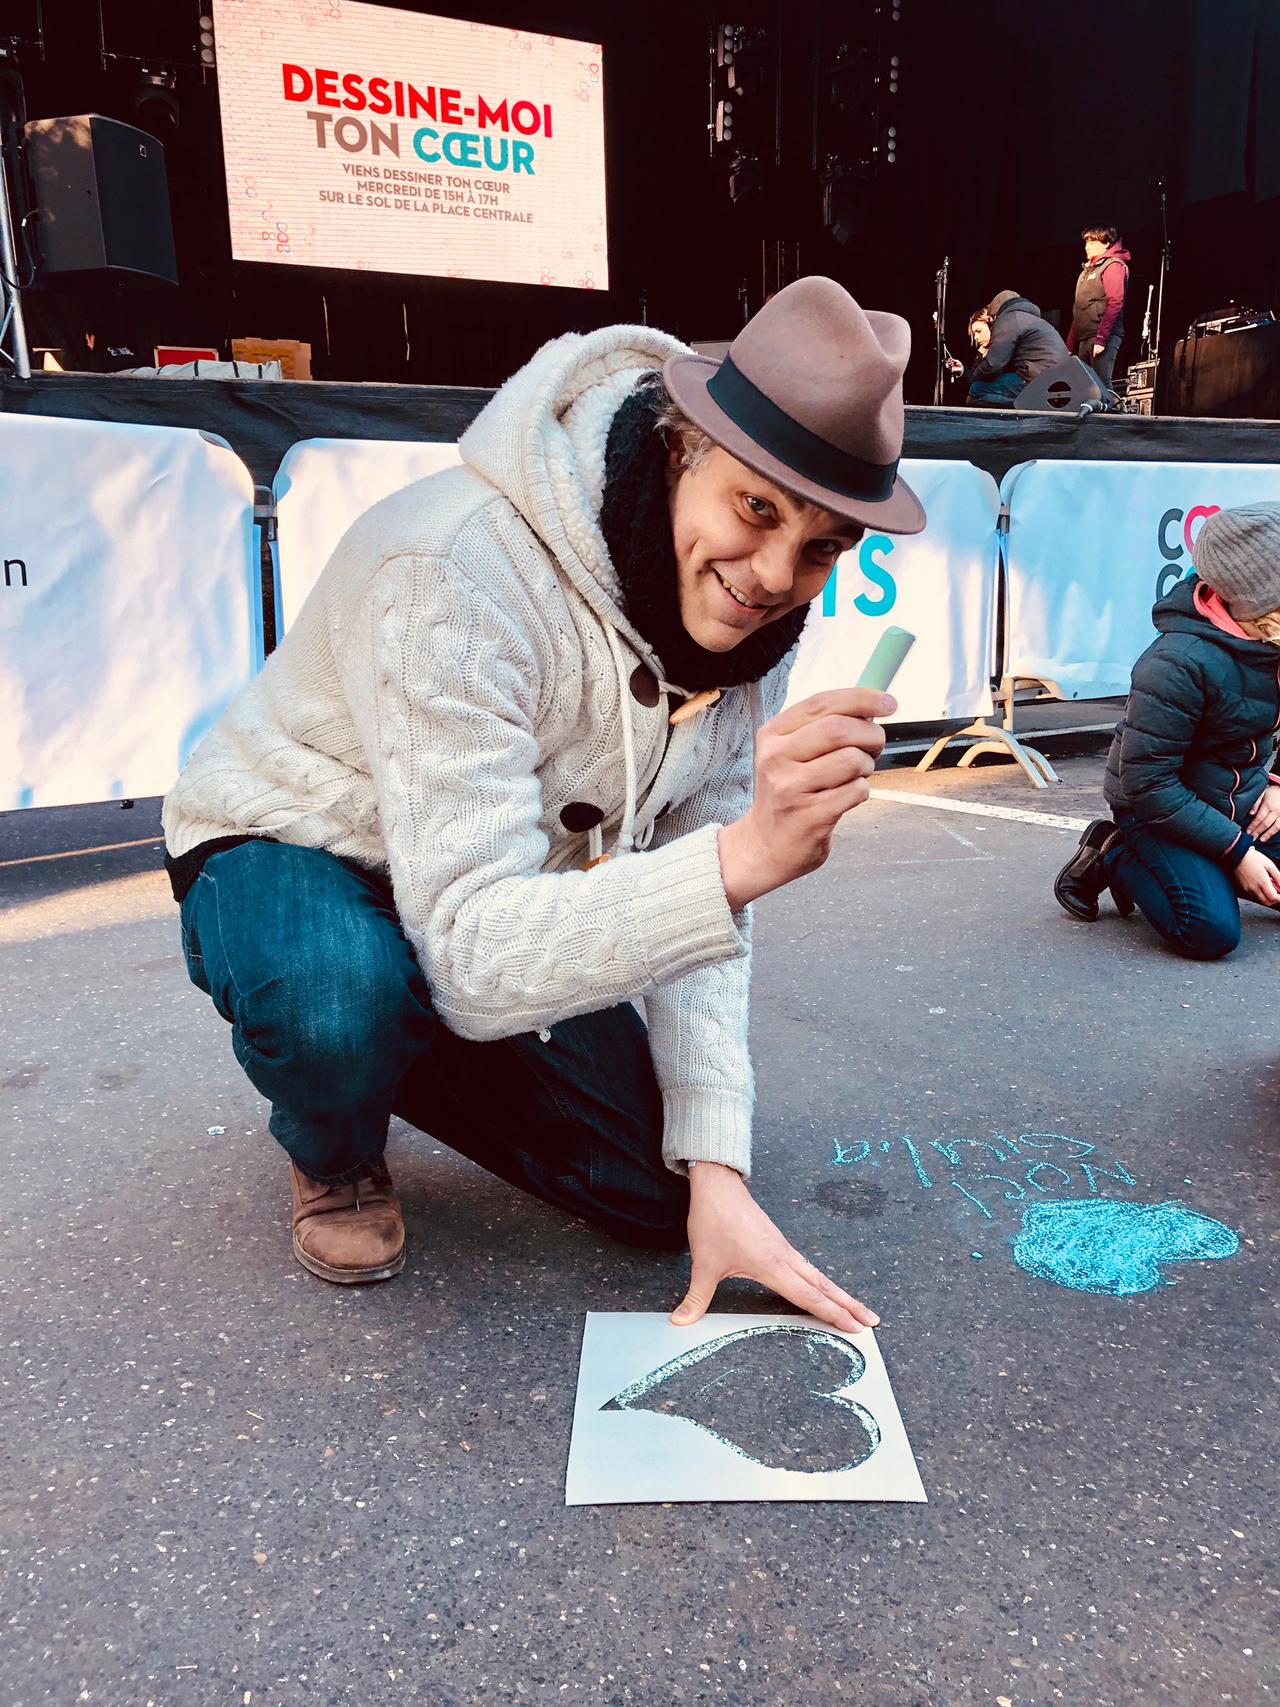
x: 459, y: 687
x: 698, y: 1024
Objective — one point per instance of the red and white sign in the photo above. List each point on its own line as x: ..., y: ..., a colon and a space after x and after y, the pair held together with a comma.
x: 178, y: 355
x: 361, y: 137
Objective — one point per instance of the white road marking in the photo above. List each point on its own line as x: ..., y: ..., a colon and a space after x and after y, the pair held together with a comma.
x: 960, y: 859
x: 963, y: 840
x: 976, y: 809
x: 79, y: 853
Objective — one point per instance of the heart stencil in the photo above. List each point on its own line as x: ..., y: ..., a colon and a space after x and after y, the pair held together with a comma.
x: 1116, y: 1248
x: 771, y: 1394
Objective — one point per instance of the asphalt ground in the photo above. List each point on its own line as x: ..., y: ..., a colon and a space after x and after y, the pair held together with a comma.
x: 225, y: 1482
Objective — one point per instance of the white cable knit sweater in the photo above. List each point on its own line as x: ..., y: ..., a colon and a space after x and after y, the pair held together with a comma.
x: 458, y: 676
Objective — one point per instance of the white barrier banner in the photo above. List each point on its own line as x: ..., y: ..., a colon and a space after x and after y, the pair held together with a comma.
x: 130, y: 604
x: 1092, y: 546
x: 940, y: 585
x: 321, y: 487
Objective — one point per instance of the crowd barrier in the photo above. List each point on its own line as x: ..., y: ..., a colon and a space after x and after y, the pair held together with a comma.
x: 131, y: 593
x: 1091, y: 546
x: 130, y: 604
x: 320, y: 488
x: 940, y: 585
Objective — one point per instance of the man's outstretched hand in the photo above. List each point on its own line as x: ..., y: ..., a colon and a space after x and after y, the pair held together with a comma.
x: 730, y: 1236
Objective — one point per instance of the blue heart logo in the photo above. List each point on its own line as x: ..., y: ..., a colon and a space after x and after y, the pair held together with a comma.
x: 1116, y: 1248
x: 771, y: 1394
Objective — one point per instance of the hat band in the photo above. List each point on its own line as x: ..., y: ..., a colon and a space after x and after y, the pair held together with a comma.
x: 803, y: 452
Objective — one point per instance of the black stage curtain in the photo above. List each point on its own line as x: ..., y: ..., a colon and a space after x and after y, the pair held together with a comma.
x: 1221, y: 90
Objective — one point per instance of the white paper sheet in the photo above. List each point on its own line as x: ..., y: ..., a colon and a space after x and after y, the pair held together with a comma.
x: 752, y: 1389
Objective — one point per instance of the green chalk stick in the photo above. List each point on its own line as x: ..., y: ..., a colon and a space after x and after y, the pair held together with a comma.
x: 887, y: 659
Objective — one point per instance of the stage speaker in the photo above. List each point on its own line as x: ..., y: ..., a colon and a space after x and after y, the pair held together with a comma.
x: 101, y: 200
x: 1064, y: 387
x: 1235, y: 376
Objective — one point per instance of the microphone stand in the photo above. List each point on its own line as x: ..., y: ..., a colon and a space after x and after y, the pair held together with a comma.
x: 939, y: 327
x: 1166, y: 265
x: 1145, y: 345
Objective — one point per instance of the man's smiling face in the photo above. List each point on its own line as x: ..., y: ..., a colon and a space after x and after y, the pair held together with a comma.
x: 747, y: 551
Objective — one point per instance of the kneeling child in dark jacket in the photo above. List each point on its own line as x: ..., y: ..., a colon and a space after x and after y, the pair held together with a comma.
x: 1195, y: 808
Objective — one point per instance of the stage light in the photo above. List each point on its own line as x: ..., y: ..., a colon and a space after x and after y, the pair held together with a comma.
x: 844, y: 202
x: 729, y: 39
x: 150, y: 32
x: 847, y: 79
x: 155, y: 101
x: 737, y: 73
x: 22, y: 26
x: 746, y: 182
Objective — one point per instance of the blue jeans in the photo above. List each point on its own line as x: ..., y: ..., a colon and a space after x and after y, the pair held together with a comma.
x: 1190, y: 899
x: 999, y: 392
x: 332, y: 1020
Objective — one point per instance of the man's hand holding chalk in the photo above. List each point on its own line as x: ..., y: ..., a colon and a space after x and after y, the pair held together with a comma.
x: 813, y: 764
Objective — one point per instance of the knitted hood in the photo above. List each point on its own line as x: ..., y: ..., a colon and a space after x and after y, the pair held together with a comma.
x: 541, y: 441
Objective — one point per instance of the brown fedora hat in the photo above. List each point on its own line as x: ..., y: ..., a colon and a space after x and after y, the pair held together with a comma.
x: 810, y: 396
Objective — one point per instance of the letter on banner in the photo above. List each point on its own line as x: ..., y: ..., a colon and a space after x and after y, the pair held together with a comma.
x: 940, y: 584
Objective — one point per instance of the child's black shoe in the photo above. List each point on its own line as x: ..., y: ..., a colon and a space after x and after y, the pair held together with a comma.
x: 1084, y: 876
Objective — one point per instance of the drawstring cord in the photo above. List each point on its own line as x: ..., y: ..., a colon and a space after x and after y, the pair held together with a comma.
x: 626, y: 840
x: 626, y: 831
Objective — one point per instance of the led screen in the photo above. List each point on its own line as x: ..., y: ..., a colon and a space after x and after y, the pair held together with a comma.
x: 380, y: 140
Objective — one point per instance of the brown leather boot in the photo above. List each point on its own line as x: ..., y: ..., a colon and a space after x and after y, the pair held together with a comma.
x: 348, y: 1233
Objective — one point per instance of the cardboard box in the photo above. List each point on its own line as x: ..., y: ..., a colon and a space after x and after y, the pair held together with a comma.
x: 294, y: 357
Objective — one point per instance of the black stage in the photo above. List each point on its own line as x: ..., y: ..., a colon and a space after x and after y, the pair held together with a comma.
x: 261, y: 419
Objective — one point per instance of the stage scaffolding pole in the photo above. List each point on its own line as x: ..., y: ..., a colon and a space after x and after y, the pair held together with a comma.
x: 12, y: 325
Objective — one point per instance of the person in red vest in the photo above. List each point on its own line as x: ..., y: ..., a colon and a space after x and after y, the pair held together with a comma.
x: 1097, y: 317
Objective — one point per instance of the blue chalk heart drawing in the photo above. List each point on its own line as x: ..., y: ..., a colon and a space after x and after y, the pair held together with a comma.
x: 1116, y: 1248
x: 770, y: 1394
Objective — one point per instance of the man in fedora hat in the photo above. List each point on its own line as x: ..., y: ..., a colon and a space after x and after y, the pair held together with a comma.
x: 497, y: 783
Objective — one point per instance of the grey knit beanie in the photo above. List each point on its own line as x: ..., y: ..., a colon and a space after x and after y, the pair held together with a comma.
x: 1237, y: 553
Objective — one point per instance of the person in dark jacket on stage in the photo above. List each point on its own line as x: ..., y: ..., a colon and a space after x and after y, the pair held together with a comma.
x: 1097, y: 318
x: 1021, y: 345
x: 1189, y: 781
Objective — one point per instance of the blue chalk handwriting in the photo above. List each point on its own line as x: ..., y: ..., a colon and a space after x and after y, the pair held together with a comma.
x: 990, y: 1171
x: 1076, y: 1230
